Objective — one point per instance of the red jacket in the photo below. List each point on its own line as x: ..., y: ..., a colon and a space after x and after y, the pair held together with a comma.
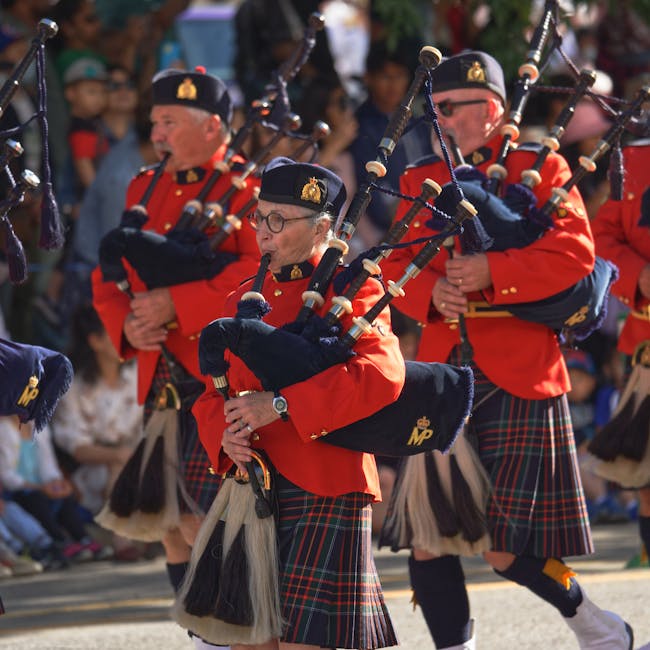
x: 620, y: 239
x: 340, y: 395
x: 196, y: 303
x: 521, y: 357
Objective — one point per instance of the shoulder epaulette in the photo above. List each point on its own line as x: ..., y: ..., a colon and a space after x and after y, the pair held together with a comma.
x: 429, y: 159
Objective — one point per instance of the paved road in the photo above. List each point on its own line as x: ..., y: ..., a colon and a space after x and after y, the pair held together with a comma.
x: 107, y: 606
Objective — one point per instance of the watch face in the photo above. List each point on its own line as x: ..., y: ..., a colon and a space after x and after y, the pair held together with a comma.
x: 279, y: 404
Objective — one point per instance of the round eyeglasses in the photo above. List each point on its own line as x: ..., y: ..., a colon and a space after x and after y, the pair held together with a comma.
x: 447, y: 106
x: 274, y: 220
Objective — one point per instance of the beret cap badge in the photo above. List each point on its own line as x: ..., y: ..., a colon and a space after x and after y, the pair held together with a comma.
x: 311, y: 191
x: 476, y: 73
x: 186, y: 90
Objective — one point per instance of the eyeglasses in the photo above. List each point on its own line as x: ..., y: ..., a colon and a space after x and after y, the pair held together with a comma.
x: 447, y: 107
x: 118, y: 85
x: 274, y: 220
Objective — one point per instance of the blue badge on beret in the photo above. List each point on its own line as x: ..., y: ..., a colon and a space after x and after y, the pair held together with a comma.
x: 310, y: 186
x: 196, y: 89
x: 33, y: 379
x: 473, y: 69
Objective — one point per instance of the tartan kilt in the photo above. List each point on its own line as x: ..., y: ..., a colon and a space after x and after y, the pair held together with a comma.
x: 329, y: 588
x: 537, y: 504
x: 199, y: 485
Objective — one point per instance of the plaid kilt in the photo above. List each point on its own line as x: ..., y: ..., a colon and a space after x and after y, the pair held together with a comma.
x: 200, y: 485
x: 329, y: 588
x: 537, y: 505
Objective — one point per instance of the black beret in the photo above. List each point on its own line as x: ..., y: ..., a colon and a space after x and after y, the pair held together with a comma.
x: 196, y: 89
x: 311, y: 186
x: 33, y: 379
x: 471, y: 69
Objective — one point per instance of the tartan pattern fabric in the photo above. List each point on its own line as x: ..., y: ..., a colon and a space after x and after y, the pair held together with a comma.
x: 537, y: 505
x: 200, y: 485
x: 329, y: 588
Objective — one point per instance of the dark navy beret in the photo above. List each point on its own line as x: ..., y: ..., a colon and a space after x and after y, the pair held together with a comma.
x: 295, y: 183
x: 32, y: 380
x: 472, y: 69
x: 196, y: 89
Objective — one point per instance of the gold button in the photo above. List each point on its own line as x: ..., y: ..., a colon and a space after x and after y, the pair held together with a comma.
x: 630, y: 196
x: 256, y: 436
x: 453, y: 326
x: 324, y: 432
x: 212, y: 470
x: 192, y: 337
x: 167, y: 226
x: 421, y: 324
x: 178, y: 192
x: 313, y: 436
x: 504, y: 292
x: 513, y: 289
x: 416, y: 224
x: 277, y: 292
x: 580, y: 212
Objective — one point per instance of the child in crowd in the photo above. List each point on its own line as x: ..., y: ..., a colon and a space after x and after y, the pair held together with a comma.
x: 32, y: 478
x: 19, y: 534
x: 602, y: 505
x: 98, y: 421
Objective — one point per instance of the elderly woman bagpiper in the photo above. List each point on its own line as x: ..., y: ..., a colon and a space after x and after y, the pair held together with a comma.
x: 329, y: 591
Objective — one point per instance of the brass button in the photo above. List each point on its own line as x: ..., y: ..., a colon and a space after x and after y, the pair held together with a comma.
x: 212, y: 470
x: 416, y: 224
x: 513, y: 289
x: 453, y: 326
x: 630, y: 196
x: 256, y: 436
x: 313, y: 436
x: 167, y: 226
x: 192, y: 337
x: 178, y: 192
x: 324, y: 432
x: 505, y: 292
x: 277, y: 292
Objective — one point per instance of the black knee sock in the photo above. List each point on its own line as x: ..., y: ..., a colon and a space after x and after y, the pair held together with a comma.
x: 439, y: 588
x: 644, y: 531
x: 175, y: 573
x: 549, y: 579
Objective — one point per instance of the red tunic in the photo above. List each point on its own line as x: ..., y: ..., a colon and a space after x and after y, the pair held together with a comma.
x: 331, y: 399
x: 196, y: 303
x: 620, y: 239
x: 523, y: 358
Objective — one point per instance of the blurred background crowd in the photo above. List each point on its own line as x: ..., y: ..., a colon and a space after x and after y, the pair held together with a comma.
x: 98, y: 72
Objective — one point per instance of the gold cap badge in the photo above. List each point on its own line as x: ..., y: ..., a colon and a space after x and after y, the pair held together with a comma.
x: 296, y: 272
x: 186, y: 90
x: 476, y: 73
x: 30, y: 392
x: 311, y: 191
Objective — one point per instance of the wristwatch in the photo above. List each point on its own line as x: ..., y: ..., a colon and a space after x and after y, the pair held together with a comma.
x: 280, y: 406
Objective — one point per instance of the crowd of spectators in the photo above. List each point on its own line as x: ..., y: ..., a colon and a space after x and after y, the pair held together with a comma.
x: 98, y: 70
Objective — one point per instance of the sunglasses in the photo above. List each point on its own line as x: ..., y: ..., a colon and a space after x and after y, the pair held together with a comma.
x: 447, y: 107
x: 274, y: 221
x: 118, y: 85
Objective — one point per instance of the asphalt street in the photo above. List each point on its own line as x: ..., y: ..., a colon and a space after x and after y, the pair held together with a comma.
x: 111, y: 606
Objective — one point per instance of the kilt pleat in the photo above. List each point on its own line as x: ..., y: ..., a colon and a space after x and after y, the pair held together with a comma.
x: 537, y: 504
x: 329, y: 588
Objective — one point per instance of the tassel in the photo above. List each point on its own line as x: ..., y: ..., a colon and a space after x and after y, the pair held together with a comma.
x: 474, y: 238
x: 152, y: 484
x: 253, y: 309
x: 616, y: 172
x: 234, y: 603
x: 133, y: 218
x: 15, y: 254
x: 473, y: 523
x: 440, y: 506
x: 606, y: 444
x: 51, y: 230
x: 634, y: 438
x: 201, y: 593
x: 122, y: 500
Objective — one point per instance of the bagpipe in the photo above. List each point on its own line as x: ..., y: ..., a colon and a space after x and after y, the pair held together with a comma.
x: 51, y: 233
x: 190, y: 251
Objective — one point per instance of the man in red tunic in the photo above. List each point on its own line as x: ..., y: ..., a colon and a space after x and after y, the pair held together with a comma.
x: 191, y: 118
x: 536, y: 511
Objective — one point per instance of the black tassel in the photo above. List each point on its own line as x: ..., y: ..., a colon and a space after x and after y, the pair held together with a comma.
x: 51, y: 230
x: 473, y: 523
x: 152, y: 486
x: 133, y: 219
x: 474, y: 238
x: 203, y: 592
x: 234, y: 603
x: 606, y: 444
x: 15, y: 254
x: 635, y: 435
x: 616, y: 172
x: 440, y: 506
x: 124, y: 493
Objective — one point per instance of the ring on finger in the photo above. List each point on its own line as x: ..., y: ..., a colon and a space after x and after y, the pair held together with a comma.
x: 250, y: 428
x: 443, y: 305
